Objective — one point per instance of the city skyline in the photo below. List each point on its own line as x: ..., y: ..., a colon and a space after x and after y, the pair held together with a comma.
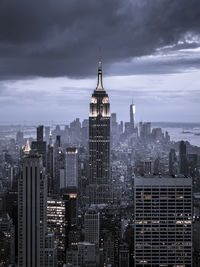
x: 151, y: 58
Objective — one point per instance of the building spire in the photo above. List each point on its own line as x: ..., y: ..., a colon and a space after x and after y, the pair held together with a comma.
x: 100, y: 83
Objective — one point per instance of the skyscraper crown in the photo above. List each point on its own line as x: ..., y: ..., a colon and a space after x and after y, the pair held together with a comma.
x: 100, y: 83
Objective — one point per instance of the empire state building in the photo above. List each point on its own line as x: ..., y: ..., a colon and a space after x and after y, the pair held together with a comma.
x: 99, y: 144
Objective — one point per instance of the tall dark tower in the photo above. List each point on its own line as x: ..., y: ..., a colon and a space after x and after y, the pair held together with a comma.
x: 99, y: 144
x: 183, y: 164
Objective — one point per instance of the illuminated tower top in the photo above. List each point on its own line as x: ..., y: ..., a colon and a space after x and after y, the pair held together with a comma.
x: 99, y: 105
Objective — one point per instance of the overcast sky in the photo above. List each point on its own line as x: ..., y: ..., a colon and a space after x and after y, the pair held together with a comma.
x: 49, y: 53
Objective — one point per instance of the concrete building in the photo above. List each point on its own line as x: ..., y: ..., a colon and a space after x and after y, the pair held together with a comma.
x: 71, y: 167
x: 56, y: 223
x: 99, y: 144
x: 31, y: 212
x: 92, y: 227
x: 163, y: 221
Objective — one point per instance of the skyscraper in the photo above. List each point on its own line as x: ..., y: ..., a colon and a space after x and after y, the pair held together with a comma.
x: 132, y: 114
x: 99, y: 144
x: 71, y: 167
x: 163, y: 221
x: 39, y: 145
x: 183, y: 164
x: 173, y: 163
x: 40, y: 133
x: 31, y: 212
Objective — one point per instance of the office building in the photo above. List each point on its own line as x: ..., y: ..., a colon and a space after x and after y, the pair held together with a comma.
x: 39, y: 145
x: 173, y: 162
x: 31, y: 212
x: 132, y: 115
x: 99, y: 144
x: 50, y: 257
x: 183, y: 163
x: 47, y: 134
x: 71, y: 167
x: 56, y: 223
x: 92, y: 226
x: 163, y: 221
x: 7, y: 240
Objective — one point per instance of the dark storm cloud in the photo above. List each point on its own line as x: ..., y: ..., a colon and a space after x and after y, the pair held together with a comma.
x: 55, y: 38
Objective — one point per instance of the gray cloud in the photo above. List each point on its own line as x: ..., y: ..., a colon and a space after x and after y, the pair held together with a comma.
x: 56, y: 38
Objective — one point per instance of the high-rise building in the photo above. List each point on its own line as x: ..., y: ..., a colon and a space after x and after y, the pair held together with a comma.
x: 71, y: 167
x: 19, y: 138
x: 31, y: 212
x: 59, y: 165
x: 39, y: 145
x: 56, y: 223
x: 7, y: 240
x: 50, y: 165
x: 47, y: 133
x: 99, y: 144
x: 173, y: 163
x: 92, y: 226
x: 40, y: 133
x: 183, y: 164
x: 163, y: 221
x: 132, y: 114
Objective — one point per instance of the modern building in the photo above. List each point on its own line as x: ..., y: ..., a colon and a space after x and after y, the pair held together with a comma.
x: 7, y: 240
x: 50, y: 165
x: 183, y: 163
x: 132, y: 115
x: 39, y: 145
x: 99, y: 144
x: 163, y: 221
x: 173, y: 162
x: 47, y: 133
x: 40, y: 133
x: 31, y: 212
x: 71, y: 167
x: 50, y: 257
x: 56, y: 223
x: 92, y: 226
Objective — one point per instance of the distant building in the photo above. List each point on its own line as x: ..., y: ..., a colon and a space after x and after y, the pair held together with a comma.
x: 47, y: 133
x: 173, y: 162
x: 163, y: 221
x: 183, y: 163
x: 132, y: 114
x: 92, y: 227
x: 19, y: 138
x: 71, y: 167
x: 39, y: 145
x: 157, y: 134
x: 144, y: 130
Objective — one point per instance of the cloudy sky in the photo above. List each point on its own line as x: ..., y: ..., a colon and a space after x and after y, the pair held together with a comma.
x: 49, y: 53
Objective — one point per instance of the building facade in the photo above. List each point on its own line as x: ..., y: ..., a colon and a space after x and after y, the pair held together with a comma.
x: 31, y: 212
x: 163, y: 221
x: 71, y: 167
x: 99, y: 145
